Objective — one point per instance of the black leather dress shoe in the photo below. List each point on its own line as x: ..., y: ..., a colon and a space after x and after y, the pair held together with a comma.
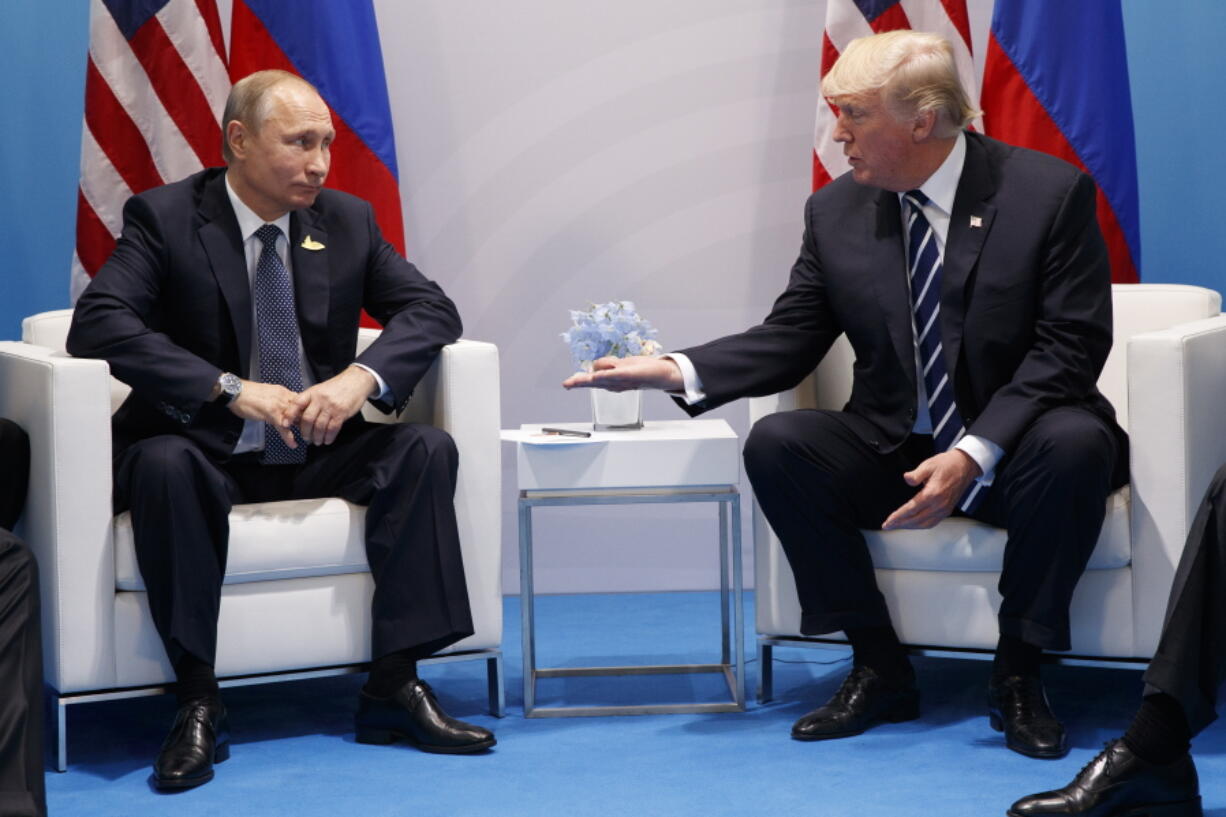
x: 1017, y: 706
x: 413, y: 713
x: 199, y: 738
x: 864, y: 700
x: 1117, y: 783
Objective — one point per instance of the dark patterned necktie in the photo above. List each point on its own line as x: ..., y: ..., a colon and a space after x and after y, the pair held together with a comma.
x: 277, y: 328
x: 925, y: 274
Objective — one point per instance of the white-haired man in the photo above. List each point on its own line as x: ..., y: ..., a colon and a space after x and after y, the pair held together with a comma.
x: 973, y: 284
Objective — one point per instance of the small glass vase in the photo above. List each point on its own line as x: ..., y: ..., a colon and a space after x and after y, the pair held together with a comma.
x: 616, y: 411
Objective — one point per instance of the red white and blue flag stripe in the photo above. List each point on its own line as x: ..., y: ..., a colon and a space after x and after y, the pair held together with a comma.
x: 155, y: 86
x: 1056, y: 80
x: 334, y: 46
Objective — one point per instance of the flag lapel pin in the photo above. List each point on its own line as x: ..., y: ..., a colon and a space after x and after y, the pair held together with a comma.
x: 976, y: 221
x: 309, y: 243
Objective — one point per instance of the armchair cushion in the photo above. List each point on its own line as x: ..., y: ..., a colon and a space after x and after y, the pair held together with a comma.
x: 273, y: 540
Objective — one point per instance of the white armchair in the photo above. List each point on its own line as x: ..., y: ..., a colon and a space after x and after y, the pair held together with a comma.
x: 1166, y: 377
x: 296, y: 596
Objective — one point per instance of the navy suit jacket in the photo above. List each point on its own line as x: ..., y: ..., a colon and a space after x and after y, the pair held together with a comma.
x: 1025, y: 303
x: 171, y: 308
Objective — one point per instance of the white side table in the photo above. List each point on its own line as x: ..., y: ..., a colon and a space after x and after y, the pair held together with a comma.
x: 668, y: 461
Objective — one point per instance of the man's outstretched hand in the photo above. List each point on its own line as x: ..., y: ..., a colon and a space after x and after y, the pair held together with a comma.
x: 627, y: 373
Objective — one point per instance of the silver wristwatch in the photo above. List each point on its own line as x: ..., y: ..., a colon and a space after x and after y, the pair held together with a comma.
x: 230, y: 386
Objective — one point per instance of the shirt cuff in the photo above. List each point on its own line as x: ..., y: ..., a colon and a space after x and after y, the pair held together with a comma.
x: 689, y: 375
x: 984, y: 452
x: 384, y: 391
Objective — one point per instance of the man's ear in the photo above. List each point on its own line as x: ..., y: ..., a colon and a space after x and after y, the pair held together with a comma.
x: 236, y: 138
x: 923, y: 126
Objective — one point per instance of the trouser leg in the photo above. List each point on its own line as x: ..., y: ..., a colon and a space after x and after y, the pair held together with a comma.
x: 1190, y: 663
x: 818, y: 484
x: 180, y: 503
x: 21, y: 683
x: 1050, y: 494
x: 405, y: 473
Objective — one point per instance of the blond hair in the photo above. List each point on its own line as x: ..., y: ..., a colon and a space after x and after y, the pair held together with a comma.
x: 249, y: 100
x: 915, y: 73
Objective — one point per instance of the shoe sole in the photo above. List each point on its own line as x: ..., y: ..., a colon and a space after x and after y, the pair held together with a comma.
x: 220, y: 755
x: 1184, y: 808
x: 382, y: 737
x: 998, y: 724
x: 903, y: 712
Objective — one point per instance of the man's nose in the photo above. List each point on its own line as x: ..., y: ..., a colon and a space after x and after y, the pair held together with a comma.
x: 841, y: 133
x: 318, y: 163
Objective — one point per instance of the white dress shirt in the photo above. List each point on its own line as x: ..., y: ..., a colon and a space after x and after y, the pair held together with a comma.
x: 252, y: 438
x: 940, y: 188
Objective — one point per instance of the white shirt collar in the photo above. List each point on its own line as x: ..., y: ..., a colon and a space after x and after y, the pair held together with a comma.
x: 248, y: 221
x: 942, y: 185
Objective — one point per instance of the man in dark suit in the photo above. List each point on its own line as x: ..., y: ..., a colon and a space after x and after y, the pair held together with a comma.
x: 973, y: 285
x: 231, y: 307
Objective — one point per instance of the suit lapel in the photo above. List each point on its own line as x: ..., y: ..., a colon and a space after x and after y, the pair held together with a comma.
x: 308, y: 245
x: 890, y: 280
x: 969, y: 225
x: 223, y: 244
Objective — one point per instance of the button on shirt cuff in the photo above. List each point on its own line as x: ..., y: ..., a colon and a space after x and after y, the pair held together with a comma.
x: 689, y: 375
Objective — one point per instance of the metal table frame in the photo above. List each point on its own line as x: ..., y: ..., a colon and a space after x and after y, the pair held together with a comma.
x: 729, y: 550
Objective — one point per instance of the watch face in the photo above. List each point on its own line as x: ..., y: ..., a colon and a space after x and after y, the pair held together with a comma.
x: 230, y: 386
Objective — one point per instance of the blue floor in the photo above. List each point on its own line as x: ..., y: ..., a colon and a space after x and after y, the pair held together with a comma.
x: 294, y: 754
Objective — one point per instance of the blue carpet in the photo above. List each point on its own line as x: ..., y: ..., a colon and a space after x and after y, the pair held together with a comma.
x: 294, y: 754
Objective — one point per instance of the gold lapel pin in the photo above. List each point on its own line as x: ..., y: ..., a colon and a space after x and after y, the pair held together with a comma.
x: 309, y: 243
x: 976, y: 221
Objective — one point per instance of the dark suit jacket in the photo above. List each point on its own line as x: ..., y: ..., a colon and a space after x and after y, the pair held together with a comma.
x: 1025, y: 302
x: 171, y: 309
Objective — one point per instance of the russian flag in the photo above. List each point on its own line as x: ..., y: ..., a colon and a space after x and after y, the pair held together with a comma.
x: 1056, y: 80
x: 335, y: 47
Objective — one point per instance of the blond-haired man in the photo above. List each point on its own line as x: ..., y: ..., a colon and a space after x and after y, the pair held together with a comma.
x: 973, y: 284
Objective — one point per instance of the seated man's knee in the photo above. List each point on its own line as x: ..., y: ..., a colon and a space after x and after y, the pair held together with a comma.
x: 418, y: 442
x: 767, y: 442
x: 1077, y: 451
x: 166, y: 457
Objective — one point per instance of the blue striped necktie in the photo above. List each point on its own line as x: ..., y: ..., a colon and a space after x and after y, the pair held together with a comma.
x: 277, y: 328
x: 924, y: 270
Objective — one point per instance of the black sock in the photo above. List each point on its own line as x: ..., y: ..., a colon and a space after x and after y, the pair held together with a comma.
x: 1016, y: 657
x: 390, y: 672
x: 194, y: 679
x: 1159, y: 732
x: 880, y: 649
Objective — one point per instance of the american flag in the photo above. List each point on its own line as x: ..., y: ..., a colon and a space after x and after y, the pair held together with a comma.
x: 155, y: 87
x: 848, y: 19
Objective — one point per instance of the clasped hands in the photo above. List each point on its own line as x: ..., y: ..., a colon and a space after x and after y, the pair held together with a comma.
x: 318, y: 412
x: 942, y: 478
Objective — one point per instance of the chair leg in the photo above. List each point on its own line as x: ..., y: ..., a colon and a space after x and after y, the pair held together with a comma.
x: 497, y: 691
x: 60, y: 738
x: 766, y: 672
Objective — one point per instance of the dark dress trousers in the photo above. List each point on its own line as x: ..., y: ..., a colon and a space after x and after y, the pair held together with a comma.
x: 172, y: 309
x: 1190, y: 663
x: 22, y: 791
x: 1025, y: 328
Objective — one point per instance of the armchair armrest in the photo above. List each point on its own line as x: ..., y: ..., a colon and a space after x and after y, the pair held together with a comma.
x: 64, y: 403
x: 1176, y: 390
